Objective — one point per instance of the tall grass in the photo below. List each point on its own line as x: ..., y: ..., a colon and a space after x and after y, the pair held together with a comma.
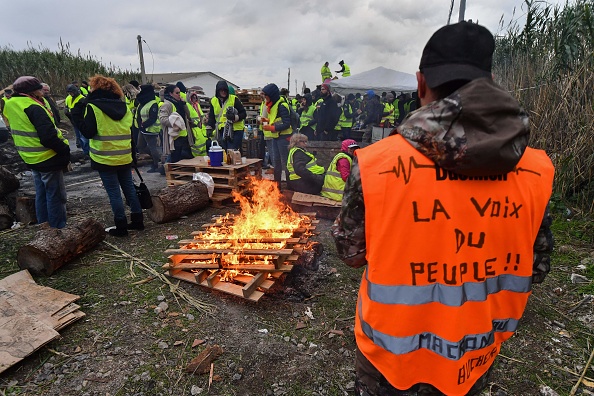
x: 56, y: 68
x: 549, y: 65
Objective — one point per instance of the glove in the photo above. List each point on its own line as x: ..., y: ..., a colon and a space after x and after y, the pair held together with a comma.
x: 270, y: 128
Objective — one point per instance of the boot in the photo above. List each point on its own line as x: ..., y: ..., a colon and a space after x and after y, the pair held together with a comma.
x: 136, y: 222
x: 121, y: 229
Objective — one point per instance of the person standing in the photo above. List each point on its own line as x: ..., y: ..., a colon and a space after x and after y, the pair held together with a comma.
x: 74, y: 96
x: 227, y: 107
x: 347, y: 116
x: 7, y: 95
x: 307, y: 116
x: 372, y: 112
x: 344, y: 69
x: 173, y: 116
x: 327, y: 115
x: 325, y: 72
x: 450, y: 216
x: 50, y: 102
x: 43, y: 148
x: 339, y: 170
x: 149, y: 126
x: 277, y: 127
x: 195, y: 117
x: 107, y: 122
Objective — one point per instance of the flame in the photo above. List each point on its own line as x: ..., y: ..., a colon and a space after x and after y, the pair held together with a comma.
x: 263, y: 223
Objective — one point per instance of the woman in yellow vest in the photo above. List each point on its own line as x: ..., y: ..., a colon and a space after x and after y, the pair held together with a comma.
x: 305, y: 175
x: 107, y: 124
x: 195, y: 117
x: 339, y: 170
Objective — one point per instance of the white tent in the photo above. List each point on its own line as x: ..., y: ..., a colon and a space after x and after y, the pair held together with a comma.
x: 379, y: 79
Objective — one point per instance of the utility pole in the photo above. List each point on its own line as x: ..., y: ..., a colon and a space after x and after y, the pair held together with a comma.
x: 142, y: 73
x: 462, y: 10
x: 289, y: 81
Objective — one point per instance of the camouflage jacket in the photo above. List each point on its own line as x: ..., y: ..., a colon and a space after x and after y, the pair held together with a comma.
x: 455, y: 140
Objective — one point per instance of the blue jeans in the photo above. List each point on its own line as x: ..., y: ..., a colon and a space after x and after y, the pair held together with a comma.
x: 112, y: 181
x: 50, y: 198
x: 84, y: 142
x: 280, y: 154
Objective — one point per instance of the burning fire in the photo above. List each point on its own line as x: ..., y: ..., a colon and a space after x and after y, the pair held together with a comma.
x: 265, y: 223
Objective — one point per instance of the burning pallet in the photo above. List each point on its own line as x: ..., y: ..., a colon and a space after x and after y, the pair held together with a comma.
x: 245, y: 254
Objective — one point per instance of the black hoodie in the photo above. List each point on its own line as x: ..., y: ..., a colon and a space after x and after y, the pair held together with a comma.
x: 112, y: 106
x: 212, y: 119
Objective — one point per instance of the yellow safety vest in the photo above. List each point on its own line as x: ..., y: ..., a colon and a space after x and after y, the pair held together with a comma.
x: 112, y: 145
x: 199, y: 132
x: 221, y: 113
x: 389, y: 117
x: 347, y: 70
x: 311, y: 165
x: 26, y: 139
x: 272, y: 117
x: 333, y: 187
x: 307, y: 116
x: 69, y: 102
x: 344, y: 122
x: 144, y: 115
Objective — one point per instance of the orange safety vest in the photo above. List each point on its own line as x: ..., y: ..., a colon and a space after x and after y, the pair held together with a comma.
x: 449, y: 263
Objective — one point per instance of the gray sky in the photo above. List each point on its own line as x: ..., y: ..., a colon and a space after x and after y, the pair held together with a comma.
x: 248, y: 42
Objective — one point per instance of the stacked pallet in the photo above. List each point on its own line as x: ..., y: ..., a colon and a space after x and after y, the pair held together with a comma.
x: 247, y: 272
x: 251, y: 100
x: 31, y: 316
x: 227, y: 178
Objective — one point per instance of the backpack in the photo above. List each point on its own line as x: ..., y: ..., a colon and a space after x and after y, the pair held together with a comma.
x: 295, y: 118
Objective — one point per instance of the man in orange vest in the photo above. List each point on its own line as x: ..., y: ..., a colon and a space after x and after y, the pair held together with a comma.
x: 450, y: 217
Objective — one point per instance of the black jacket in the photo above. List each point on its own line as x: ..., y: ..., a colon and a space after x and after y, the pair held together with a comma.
x: 110, y: 104
x: 48, y: 136
x: 327, y: 115
x: 212, y: 119
x: 309, y: 183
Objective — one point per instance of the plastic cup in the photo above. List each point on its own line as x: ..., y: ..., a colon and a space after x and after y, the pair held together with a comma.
x: 244, y: 160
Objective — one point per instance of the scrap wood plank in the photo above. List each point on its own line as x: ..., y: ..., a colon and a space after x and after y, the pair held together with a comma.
x: 190, y: 266
x: 258, y: 267
x: 309, y: 200
x: 251, y: 286
x: 225, y: 287
x: 273, y: 252
x: 241, y: 240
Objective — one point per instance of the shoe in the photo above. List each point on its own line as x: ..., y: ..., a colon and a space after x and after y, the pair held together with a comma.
x: 153, y: 170
x: 121, y: 229
x: 161, y: 170
x: 136, y: 222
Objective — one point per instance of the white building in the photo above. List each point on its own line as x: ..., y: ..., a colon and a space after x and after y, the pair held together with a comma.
x: 206, y: 80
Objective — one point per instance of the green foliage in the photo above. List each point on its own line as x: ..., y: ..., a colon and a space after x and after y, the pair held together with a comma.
x: 57, y: 69
x: 548, y: 64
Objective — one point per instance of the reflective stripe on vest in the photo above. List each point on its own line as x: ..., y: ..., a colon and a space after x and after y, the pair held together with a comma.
x: 272, y: 117
x: 333, y: 187
x: 112, y: 145
x: 447, y: 285
x: 144, y: 115
x: 222, y: 117
x: 26, y: 139
x: 312, y: 165
x: 199, y: 133
x: 70, y: 101
x: 347, y: 70
x: 343, y: 121
x: 307, y: 116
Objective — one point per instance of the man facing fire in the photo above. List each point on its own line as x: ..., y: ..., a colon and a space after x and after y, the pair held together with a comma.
x: 450, y: 216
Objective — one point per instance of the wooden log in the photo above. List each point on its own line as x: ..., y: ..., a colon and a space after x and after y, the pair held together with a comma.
x: 174, y: 202
x: 52, y: 247
x: 25, y: 210
x: 6, y: 218
x: 8, y: 182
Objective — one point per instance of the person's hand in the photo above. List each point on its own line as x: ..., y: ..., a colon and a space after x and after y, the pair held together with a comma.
x: 269, y: 128
x: 230, y: 114
x: 264, y: 119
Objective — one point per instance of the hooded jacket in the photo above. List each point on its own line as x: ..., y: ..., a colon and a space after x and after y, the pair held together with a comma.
x: 147, y: 94
x: 212, y: 119
x: 272, y: 91
x: 110, y: 104
x: 479, y: 130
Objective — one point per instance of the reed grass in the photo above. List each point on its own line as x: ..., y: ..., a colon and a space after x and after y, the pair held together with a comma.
x: 56, y: 68
x: 548, y: 64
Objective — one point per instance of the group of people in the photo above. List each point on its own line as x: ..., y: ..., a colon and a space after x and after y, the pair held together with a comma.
x: 434, y: 211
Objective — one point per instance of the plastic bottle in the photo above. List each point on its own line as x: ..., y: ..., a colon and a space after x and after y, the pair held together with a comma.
x: 249, y: 132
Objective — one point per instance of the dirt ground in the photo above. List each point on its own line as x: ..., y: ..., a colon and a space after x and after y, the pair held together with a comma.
x: 298, y: 340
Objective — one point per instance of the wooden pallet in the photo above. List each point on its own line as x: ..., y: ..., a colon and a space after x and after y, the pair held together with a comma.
x: 204, y: 265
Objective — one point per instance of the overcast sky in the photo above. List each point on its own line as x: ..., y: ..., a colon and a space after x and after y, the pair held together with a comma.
x: 248, y: 42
